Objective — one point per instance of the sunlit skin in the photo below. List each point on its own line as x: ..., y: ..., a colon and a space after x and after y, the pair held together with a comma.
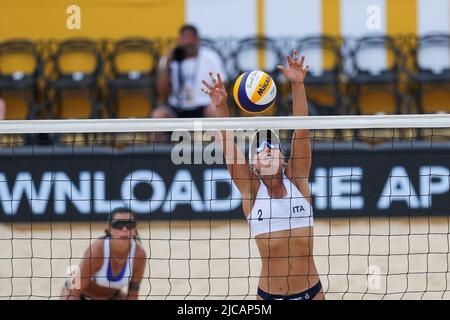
x: 93, y: 259
x: 287, y: 260
x: 269, y: 162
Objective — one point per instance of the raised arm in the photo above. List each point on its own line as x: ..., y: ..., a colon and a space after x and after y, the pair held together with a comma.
x: 299, y: 163
x: 240, y: 172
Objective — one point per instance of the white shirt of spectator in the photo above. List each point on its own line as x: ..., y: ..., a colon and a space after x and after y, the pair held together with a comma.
x: 194, y: 70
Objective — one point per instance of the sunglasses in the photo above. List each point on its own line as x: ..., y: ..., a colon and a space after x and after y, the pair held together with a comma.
x: 119, y: 224
x: 265, y: 144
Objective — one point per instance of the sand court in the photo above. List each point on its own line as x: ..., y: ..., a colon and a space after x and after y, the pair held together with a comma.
x: 357, y: 258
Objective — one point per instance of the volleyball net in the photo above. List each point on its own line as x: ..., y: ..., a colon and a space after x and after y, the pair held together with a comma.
x: 380, y: 196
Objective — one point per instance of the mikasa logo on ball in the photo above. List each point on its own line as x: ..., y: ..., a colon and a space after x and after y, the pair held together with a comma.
x: 263, y: 87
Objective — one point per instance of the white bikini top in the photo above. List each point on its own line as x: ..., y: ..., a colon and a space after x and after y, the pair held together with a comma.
x: 270, y: 215
x: 104, y: 276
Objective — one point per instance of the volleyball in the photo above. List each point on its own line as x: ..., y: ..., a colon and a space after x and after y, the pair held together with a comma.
x: 254, y: 91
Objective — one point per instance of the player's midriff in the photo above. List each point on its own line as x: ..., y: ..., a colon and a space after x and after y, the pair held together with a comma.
x: 287, y: 261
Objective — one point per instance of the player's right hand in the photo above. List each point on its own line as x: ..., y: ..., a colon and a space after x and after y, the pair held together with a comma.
x: 216, y: 90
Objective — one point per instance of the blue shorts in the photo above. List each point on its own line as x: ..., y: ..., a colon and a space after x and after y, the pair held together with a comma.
x: 308, y: 294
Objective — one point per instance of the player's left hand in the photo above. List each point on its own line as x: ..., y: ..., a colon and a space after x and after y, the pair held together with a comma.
x: 295, y: 71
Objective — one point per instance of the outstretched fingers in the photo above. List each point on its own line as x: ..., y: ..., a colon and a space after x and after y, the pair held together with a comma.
x: 306, y: 69
x: 281, y: 68
x: 208, y: 89
x: 213, y: 80
x: 219, y: 78
x: 302, y: 60
x: 290, y: 60
x: 207, y: 85
x: 215, y: 84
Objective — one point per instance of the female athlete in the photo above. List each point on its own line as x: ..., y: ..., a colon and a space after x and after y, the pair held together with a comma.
x: 276, y: 196
x: 111, y: 264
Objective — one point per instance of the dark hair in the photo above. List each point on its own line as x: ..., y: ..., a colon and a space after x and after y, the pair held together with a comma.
x: 189, y: 27
x: 266, y: 135
x: 122, y: 210
x: 261, y: 135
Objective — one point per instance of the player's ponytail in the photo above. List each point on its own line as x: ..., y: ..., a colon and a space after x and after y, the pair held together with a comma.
x: 137, y: 237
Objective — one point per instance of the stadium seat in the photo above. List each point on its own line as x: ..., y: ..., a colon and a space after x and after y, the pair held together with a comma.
x: 374, y: 84
x: 133, y: 64
x: 323, y: 56
x: 376, y: 67
x: 431, y: 79
x: 77, y: 65
x: 20, y: 69
x: 324, y: 61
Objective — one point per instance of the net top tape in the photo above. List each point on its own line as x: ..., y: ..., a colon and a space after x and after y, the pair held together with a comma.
x: 232, y: 123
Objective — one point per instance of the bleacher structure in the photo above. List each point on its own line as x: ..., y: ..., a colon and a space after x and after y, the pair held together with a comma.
x: 98, y: 78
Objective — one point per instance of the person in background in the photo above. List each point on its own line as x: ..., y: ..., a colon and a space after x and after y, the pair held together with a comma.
x: 112, y: 264
x: 179, y: 75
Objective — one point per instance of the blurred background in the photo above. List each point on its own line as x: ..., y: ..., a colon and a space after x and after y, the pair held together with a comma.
x: 99, y: 59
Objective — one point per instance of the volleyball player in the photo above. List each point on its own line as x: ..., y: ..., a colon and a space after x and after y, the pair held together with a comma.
x: 112, y: 263
x: 276, y: 196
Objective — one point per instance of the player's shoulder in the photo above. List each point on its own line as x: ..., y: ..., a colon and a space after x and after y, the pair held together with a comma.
x: 95, y: 250
x: 140, y: 252
x: 301, y: 183
x: 140, y: 256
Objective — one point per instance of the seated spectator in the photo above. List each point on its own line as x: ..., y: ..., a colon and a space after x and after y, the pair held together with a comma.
x: 179, y: 78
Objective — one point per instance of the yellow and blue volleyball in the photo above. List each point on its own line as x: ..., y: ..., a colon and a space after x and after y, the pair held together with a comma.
x: 254, y: 91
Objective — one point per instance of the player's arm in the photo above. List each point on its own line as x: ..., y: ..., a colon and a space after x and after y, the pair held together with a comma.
x: 240, y: 172
x: 140, y: 261
x: 299, y: 163
x: 91, y: 262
